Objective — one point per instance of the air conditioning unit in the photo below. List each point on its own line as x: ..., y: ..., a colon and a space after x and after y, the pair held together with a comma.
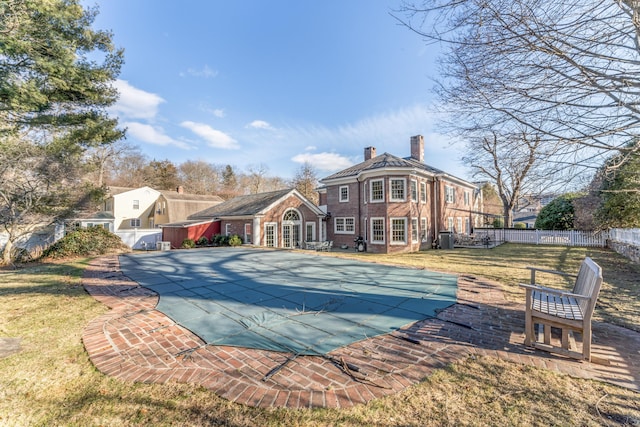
x: 163, y: 246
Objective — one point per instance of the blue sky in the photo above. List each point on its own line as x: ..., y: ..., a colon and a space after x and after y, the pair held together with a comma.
x: 276, y: 82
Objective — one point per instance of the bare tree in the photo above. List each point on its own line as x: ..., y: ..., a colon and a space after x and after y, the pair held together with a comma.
x: 129, y: 170
x: 37, y: 187
x: 274, y: 183
x: 101, y: 160
x: 256, y: 177
x: 566, y: 70
x: 306, y: 182
x: 515, y: 165
x: 200, y: 177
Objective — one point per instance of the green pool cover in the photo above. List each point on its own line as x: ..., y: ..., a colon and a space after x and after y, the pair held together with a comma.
x: 286, y: 301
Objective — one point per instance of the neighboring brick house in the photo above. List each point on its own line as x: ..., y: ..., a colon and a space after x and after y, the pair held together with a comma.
x: 397, y: 204
x: 280, y: 219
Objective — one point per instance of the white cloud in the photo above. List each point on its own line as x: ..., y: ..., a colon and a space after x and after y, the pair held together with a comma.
x: 136, y: 103
x: 152, y: 135
x: 214, y: 137
x: 323, y: 161
x: 310, y: 148
x: 260, y: 124
x: 204, y: 72
x: 219, y: 112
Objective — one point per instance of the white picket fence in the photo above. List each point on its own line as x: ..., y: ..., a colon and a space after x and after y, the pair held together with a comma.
x: 546, y: 237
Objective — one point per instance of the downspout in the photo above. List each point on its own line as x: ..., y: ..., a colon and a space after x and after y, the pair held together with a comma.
x: 436, y: 191
x: 359, y: 208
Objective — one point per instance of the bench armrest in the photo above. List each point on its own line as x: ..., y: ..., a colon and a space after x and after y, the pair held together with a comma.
x: 544, y: 270
x: 553, y: 291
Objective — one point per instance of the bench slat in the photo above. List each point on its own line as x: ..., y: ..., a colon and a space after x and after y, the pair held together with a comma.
x: 563, y: 307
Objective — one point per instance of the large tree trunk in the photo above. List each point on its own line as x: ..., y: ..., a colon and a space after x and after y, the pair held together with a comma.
x: 6, y: 253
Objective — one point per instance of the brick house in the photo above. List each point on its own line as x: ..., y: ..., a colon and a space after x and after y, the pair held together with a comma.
x: 279, y: 219
x: 397, y: 204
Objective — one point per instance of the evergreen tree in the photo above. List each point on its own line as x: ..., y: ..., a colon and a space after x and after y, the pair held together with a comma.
x: 559, y: 214
x: 55, y: 85
x: 620, y: 194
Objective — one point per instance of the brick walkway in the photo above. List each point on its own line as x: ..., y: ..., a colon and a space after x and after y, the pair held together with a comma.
x: 134, y: 342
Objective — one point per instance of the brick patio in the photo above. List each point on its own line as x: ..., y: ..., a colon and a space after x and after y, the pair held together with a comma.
x: 135, y: 342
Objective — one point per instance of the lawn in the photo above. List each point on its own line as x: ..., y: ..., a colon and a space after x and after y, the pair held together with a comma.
x: 52, y: 382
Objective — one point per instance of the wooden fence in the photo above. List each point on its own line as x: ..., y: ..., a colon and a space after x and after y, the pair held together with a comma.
x: 545, y: 237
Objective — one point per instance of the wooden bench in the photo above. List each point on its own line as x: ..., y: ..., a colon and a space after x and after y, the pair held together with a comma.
x: 568, y: 311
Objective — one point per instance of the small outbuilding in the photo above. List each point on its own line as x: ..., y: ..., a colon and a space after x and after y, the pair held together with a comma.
x: 177, y: 232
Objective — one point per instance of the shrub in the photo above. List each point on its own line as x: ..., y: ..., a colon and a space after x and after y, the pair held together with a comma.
x: 519, y: 225
x: 86, y: 242
x: 558, y: 214
x: 235, y: 240
x: 188, y: 244
x: 202, y: 241
x: 218, y: 239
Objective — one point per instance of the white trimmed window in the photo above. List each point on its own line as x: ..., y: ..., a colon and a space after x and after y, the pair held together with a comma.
x: 397, y: 189
x: 467, y: 198
x: 377, y: 230
x: 310, y: 234
x: 135, y: 222
x: 136, y: 204
x: 398, y: 231
x: 450, y: 223
x: 459, y: 225
x: 344, y: 225
x: 423, y: 192
x: 423, y: 228
x: 449, y: 194
x: 414, y: 190
x: 377, y: 190
x: 414, y: 230
x: 344, y: 193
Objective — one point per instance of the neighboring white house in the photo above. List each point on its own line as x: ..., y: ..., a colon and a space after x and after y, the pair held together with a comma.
x: 131, y: 208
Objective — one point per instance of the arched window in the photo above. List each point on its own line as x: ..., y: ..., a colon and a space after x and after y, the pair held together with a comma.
x: 291, y: 215
x: 291, y: 229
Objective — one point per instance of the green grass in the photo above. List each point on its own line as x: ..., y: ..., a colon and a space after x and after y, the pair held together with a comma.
x: 52, y: 382
x: 619, y: 300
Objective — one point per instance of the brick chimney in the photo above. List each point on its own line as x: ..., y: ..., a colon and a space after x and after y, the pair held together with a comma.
x: 369, y: 153
x: 180, y: 190
x: 417, y: 148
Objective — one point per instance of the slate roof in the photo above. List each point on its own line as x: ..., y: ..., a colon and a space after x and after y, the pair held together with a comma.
x: 174, y: 195
x: 382, y: 161
x: 242, y: 205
